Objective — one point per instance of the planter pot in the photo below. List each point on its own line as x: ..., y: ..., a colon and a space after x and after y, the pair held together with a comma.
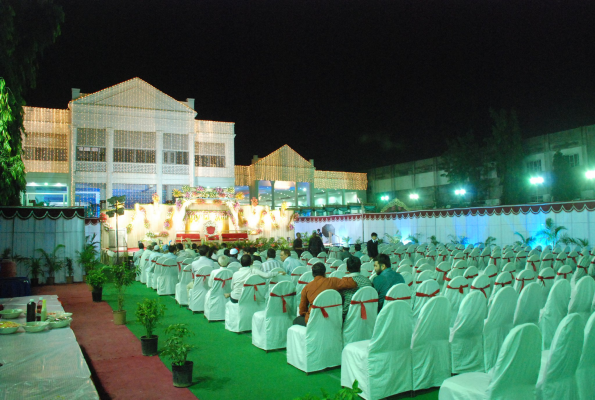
x: 50, y: 280
x: 34, y: 281
x: 120, y: 317
x: 97, y: 293
x: 69, y: 279
x: 149, y: 345
x: 182, y: 374
x: 8, y: 269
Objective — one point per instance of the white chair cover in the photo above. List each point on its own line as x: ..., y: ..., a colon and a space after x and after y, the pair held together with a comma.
x: 510, y: 267
x: 158, y: 272
x: 547, y: 260
x: 546, y: 279
x: 151, y: 262
x: 382, y: 365
x: 515, y: 373
x: 521, y: 260
x: 405, y: 268
x: 555, y: 309
x: 196, y: 296
x: 557, y: 379
x: 400, y: 291
x: 167, y: 281
x: 366, y: 269
x: 524, y: 277
x: 492, y: 273
x: 143, y: 265
x: 179, y: 260
x: 215, y: 300
x: 581, y: 298
x: 234, y: 266
x: 301, y: 283
x: 580, y: 270
x: 296, y: 273
x: 533, y: 263
x: 442, y: 271
x: 181, y: 287
x: 528, y: 305
x: 319, y: 345
x: 423, y: 294
x: 586, y: 366
x: 238, y: 316
x: 498, y: 324
x: 364, y: 258
x: 565, y: 272
x: 424, y: 276
x: 504, y: 279
x: 269, y: 327
x: 361, y: 317
x: 560, y: 261
x: 471, y: 273
x: 408, y: 278
x: 456, y: 290
x: 572, y: 259
x: 430, y: 349
x: 482, y: 284
x: 466, y: 336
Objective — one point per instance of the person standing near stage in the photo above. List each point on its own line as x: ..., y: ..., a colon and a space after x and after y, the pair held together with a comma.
x: 315, y: 245
x: 373, y: 246
x: 298, y: 245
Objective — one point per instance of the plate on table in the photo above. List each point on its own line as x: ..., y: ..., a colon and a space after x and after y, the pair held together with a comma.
x: 8, y: 327
x: 11, y: 313
x: 61, y: 322
x: 36, y: 326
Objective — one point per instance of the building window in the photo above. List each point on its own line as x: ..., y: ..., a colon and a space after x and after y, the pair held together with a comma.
x: 209, y: 154
x: 96, y: 154
x: 534, y: 166
x: 45, y: 154
x: 141, y: 194
x: 134, y: 156
x: 572, y: 160
x: 134, y: 147
x: 175, y: 157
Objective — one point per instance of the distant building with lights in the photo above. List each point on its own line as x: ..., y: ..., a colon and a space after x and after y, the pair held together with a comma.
x: 132, y: 139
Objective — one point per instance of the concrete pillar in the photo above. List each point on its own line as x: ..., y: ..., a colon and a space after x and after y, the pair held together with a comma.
x: 253, y: 189
x: 109, y: 161
x: 343, y: 197
x: 326, y: 197
x: 296, y: 195
x: 272, y: 195
x: 72, y: 152
x: 159, y: 163
x: 191, y: 166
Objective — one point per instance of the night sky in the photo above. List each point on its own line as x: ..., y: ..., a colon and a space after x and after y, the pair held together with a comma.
x: 352, y: 84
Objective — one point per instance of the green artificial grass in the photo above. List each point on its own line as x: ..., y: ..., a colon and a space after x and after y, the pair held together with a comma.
x: 226, y: 365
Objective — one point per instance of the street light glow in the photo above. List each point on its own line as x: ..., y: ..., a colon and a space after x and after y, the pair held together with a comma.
x: 590, y: 174
x: 537, y: 180
x: 384, y: 198
x: 460, y: 192
x: 414, y: 196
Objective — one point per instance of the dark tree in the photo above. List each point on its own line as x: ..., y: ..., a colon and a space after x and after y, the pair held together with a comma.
x: 565, y: 182
x: 505, y: 149
x: 27, y: 28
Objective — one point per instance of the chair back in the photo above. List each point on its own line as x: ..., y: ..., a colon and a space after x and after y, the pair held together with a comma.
x: 424, y: 276
x: 405, y: 262
x: 367, y: 268
x: 361, y: 317
x: 306, y: 255
x: 558, y: 378
x: 278, y: 278
x: 565, y: 272
x: 586, y: 365
x: 498, y: 323
x: 408, y: 278
x: 482, y: 284
x: 201, y: 277
x: 459, y: 261
x: 442, y: 271
x: 296, y: 273
x: 520, y: 259
x: 528, y: 305
x: 253, y: 292
x: 517, y: 369
x: 581, y: 297
x: 432, y: 325
x: 234, y: 266
x: 556, y: 308
x: 364, y: 258
x: 471, y: 273
x: 547, y: 260
x: 533, y: 263
x: 313, y: 261
x: 510, y: 267
x: 322, y: 255
x: 466, y: 335
x: 222, y: 282
x: 523, y: 278
x: 326, y: 312
x: 337, y: 274
x: 342, y: 268
x: 423, y: 294
x: 573, y: 258
x: 281, y: 300
x: 508, y: 256
x: 491, y: 271
x: 400, y: 291
x: 405, y: 268
x: 503, y: 279
x: 394, y: 262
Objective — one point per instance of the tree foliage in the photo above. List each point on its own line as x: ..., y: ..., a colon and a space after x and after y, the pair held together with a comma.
x: 565, y: 183
x: 27, y: 29
x: 464, y: 163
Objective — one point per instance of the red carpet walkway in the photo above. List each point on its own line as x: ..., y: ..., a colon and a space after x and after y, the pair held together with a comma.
x: 113, y: 352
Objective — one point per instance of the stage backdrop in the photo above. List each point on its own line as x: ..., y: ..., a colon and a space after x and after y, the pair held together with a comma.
x: 475, y: 223
x: 26, y: 229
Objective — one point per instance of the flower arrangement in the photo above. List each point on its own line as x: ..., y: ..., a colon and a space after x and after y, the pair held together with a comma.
x: 163, y: 234
x: 103, y: 217
x: 283, y: 208
x: 178, y: 204
x: 254, y: 202
x: 129, y: 228
x: 155, y: 198
x: 240, y: 196
x: 200, y: 201
x: 274, y: 223
x: 236, y: 206
x: 217, y: 202
x: 205, y: 193
x: 167, y: 224
x: 150, y: 235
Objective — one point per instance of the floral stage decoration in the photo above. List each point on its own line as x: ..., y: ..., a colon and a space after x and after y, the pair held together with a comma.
x: 167, y: 224
x: 196, y: 216
x: 200, y: 192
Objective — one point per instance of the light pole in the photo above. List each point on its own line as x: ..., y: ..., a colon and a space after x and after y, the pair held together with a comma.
x: 538, y: 180
x: 590, y: 175
x: 460, y: 193
x: 414, y: 197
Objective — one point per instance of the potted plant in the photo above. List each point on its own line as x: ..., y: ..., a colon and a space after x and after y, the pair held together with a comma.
x: 52, y: 262
x: 123, y: 276
x: 35, y: 270
x: 148, y: 314
x: 96, y: 279
x: 69, y: 270
x: 87, y: 258
x: 8, y: 265
x: 177, y: 351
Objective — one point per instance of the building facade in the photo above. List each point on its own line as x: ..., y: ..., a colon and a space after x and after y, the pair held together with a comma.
x: 425, y: 179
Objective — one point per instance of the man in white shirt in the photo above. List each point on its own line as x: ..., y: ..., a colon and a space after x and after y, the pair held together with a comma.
x: 171, y: 252
x: 289, y: 263
x: 240, y: 277
x: 138, y: 254
x: 203, y: 260
x: 271, y: 263
x: 222, y: 262
x: 144, y: 263
x: 233, y: 255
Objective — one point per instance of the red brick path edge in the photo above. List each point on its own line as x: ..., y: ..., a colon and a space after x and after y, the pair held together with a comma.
x: 113, y: 353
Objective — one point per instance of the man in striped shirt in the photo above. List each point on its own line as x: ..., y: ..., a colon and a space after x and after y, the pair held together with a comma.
x: 270, y: 264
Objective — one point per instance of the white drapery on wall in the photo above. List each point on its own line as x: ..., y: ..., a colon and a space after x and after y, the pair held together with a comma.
x: 26, y: 229
x: 474, y: 223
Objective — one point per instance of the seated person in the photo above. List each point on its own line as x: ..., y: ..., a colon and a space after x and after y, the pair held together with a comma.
x: 354, y: 266
x: 289, y: 263
x: 240, y: 277
x: 344, y: 254
x: 317, y: 286
x: 386, y: 277
x: 358, y: 251
x: 222, y: 262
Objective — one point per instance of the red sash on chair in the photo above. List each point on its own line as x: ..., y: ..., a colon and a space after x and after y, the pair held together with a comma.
x: 471, y: 276
x: 563, y: 274
x: 460, y: 288
x: 482, y: 289
x: 533, y: 265
x: 444, y: 272
x: 503, y: 283
x: 255, y: 286
x: 323, y: 309
x: 573, y: 258
x: 419, y: 294
x: 363, y: 307
x: 523, y: 282
x: 302, y: 282
x: 223, y: 280
x: 283, y: 298
x: 543, y: 278
x: 388, y: 298
x: 491, y: 276
x: 585, y: 268
x: 203, y: 276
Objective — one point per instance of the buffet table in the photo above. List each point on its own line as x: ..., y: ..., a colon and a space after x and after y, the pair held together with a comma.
x: 42, y: 365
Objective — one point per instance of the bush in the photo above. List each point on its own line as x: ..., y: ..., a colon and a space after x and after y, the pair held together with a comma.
x: 148, y: 314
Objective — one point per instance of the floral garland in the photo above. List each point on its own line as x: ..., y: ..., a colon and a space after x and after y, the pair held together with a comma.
x: 283, y: 208
x: 230, y: 216
x: 155, y: 198
x: 144, y: 213
x: 195, y: 216
x: 263, y: 213
x: 167, y: 224
x: 290, y: 224
x: 254, y: 202
x: 189, y: 193
x: 152, y: 235
x: 103, y: 218
x: 241, y: 220
x: 274, y: 223
x: 179, y: 204
x: 129, y: 226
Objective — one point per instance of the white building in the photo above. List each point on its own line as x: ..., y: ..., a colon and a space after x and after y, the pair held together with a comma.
x: 127, y: 139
